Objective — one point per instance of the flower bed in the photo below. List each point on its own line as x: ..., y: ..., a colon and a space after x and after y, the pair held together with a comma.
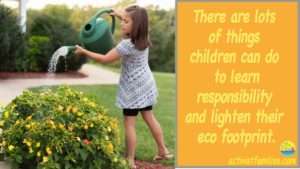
x: 61, y: 129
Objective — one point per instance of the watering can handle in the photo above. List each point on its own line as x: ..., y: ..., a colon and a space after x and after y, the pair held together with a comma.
x: 112, y: 17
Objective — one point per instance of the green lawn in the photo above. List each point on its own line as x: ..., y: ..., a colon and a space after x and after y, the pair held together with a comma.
x: 164, y: 111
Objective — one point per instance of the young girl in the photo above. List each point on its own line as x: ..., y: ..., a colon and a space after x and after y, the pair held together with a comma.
x: 137, y: 90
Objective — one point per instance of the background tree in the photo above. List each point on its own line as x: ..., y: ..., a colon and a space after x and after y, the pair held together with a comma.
x: 12, y: 42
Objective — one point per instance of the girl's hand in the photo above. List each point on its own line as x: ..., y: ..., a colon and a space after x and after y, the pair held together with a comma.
x: 115, y: 14
x: 79, y: 50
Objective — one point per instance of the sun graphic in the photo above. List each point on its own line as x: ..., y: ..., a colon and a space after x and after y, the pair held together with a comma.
x: 287, y: 148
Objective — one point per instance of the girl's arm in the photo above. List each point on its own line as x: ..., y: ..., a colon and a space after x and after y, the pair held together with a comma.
x: 109, y: 57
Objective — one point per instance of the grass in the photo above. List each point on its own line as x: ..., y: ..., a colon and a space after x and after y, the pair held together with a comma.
x: 164, y: 111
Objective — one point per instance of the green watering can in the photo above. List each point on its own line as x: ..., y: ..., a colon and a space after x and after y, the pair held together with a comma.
x: 96, y: 35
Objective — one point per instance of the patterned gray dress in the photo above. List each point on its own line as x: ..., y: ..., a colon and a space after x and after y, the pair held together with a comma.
x: 137, y: 88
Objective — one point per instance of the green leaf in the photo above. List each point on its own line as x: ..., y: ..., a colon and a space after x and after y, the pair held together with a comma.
x: 77, y: 151
x: 68, y: 165
x: 95, y: 136
x: 83, y: 154
x: 19, y: 159
x: 90, y: 149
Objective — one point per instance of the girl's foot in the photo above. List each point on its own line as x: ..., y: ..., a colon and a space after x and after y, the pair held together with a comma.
x: 163, y: 154
x: 132, y: 164
x: 162, y: 157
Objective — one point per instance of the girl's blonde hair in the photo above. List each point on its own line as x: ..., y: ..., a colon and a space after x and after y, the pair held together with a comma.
x: 139, y: 33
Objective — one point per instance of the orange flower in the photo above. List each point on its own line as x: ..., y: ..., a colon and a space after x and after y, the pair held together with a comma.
x: 100, y: 117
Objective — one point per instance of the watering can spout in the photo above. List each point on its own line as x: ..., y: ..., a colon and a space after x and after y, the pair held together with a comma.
x: 71, y: 48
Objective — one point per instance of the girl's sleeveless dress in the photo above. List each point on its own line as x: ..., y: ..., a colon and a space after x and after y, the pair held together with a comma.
x: 137, y: 88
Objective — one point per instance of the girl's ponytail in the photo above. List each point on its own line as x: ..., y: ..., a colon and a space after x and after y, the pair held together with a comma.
x: 139, y: 34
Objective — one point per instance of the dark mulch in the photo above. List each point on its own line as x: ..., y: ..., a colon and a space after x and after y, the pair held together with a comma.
x: 146, y: 165
x: 37, y: 75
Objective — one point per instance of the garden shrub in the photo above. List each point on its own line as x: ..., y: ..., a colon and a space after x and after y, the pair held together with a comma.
x: 60, y: 32
x: 36, y: 52
x: 61, y: 129
x: 12, y: 42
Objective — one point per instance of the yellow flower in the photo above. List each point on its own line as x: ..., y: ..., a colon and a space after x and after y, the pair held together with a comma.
x: 38, y: 153
x: 48, y: 150
x: 11, y: 147
x: 106, y: 138
x: 28, y: 143
x: 86, y: 127
x: 42, y: 94
x: 79, y: 114
x: 28, y: 118
x: 92, y: 125
x: 6, y: 114
x: 68, y: 109
x: 38, y: 144
x: 78, y: 138
x: 17, y: 122
x: 92, y: 104
x: 124, y: 162
x: 61, y: 126
x: 51, y: 122
x: 45, y: 159
x: 110, y: 148
x: 108, y: 129
x: 25, y: 141
x: 13, y: 106
x: 60, y: 108
x: 28, y: 126
x: 75, y: 109
x: 115, y: 159
x: 85, y: 99
x: 1, y: 123
x: 30, y: 151
x: 116, y: 126
x: 3, y: 142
